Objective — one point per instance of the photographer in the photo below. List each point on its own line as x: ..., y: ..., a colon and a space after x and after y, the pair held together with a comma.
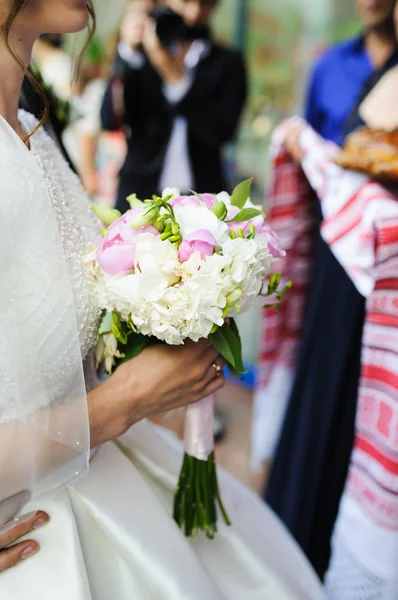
x: 177, y: 95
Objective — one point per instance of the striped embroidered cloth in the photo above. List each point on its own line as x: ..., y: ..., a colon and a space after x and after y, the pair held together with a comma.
x: 292, y: 215
x: 361, y: 227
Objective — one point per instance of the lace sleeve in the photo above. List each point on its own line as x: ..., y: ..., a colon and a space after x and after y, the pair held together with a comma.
x: 44, y: 430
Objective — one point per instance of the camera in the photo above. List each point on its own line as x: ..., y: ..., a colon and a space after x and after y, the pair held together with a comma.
x: 171, y: 28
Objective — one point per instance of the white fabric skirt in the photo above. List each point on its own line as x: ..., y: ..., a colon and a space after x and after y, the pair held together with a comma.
x: 112, y: 537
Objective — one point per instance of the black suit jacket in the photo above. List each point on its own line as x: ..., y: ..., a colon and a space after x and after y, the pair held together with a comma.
x: 212, y: 108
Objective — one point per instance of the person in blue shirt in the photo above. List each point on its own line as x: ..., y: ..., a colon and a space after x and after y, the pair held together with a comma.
x: 312, y: 458
x: 340, y: 77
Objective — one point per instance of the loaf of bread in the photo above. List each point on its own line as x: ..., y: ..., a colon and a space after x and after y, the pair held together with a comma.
x: 371, y: 151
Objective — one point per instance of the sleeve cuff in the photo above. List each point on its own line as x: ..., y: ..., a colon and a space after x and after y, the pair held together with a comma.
x: 176, y: 91
x: 133, y: 58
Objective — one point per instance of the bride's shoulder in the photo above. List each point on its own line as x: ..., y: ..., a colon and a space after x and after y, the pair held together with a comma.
x: 19, y: 179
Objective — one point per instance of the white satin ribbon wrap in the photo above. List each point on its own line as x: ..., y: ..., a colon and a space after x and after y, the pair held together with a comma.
x: 199, y: 429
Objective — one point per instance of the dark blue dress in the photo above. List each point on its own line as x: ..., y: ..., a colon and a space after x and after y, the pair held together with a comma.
x: 312, y: 458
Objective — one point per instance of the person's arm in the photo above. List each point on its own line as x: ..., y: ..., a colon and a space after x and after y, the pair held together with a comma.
x: 118, y: 106
x: 214, y: 118
x: 88, y: 170
x: 90, y: 129
x: 119, y: 103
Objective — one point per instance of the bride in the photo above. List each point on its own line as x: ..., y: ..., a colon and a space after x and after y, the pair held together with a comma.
x: 109, y: 534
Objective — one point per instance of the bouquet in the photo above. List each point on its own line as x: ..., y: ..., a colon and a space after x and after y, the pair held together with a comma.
x: 175, y: 268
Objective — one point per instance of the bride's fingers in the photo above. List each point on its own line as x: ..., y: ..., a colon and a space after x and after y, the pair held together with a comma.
x: 213, y: 386
x: 14, y: 530
x: 211, y: 356
x: 214, y: 375
x: 12, y: 556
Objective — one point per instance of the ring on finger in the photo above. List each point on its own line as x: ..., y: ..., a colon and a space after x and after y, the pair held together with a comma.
x: 217, y: 368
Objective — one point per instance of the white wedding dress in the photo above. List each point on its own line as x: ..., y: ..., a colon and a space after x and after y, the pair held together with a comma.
x: 111, y: 534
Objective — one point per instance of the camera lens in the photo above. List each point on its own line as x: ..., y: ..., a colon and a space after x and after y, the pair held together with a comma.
x: 170, y: 27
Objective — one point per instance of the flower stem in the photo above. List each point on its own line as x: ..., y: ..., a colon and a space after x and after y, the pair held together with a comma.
x: 197, y: 496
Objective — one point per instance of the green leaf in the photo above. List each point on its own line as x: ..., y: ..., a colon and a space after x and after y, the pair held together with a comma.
x: 241, y: 193
x: 135, y: 345
x: 226, y: 341
x: 116, y: 320
x: 245, y: 215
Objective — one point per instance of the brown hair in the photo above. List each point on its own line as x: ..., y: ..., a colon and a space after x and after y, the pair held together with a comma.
x: 15, y: 10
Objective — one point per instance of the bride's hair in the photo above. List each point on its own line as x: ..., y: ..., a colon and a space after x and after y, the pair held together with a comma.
x: 16, y: 8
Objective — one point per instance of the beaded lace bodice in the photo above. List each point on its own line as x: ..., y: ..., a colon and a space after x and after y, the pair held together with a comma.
x: 76, y: 222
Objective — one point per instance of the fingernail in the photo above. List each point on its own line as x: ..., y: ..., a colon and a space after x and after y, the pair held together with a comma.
x: 40, y: 523
x: 25, y: 518
x: 28, y: 552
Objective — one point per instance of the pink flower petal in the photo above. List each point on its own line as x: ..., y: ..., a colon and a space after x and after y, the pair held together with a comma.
x: 116, y: 259
x: 201, y: 235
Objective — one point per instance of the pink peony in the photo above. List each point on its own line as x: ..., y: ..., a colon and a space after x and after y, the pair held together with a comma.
x: 208, y: 199
x: 274, y: 244
x: 201, y: 241
x: 260, y: 228
x: 116, y: 251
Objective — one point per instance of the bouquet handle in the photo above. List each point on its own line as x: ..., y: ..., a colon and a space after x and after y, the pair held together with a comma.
x: 197, y: 494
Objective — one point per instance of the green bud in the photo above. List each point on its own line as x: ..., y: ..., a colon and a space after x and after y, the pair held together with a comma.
x: 174, y: 238
x: 158, y: 226
x: 232, y: 234
x: 252, y: 230
x: 162, y: 218
x: 134, y: 201
x: 237, y: 308
x: 165, y: 235
x: 105, y: 214
x: 220, y: 210
x: 241, y: 234
x: 146, y: 217
x: 175, y: 228
x: 103, y: 232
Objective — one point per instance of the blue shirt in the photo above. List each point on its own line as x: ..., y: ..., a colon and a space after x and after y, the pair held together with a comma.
x: 335, y: 86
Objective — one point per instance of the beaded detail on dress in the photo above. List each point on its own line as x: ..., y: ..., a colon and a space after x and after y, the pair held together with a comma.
x: 76, y: 223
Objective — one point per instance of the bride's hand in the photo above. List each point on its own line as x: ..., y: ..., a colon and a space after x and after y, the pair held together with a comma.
x: 160, y: 379
x: 11, y: 553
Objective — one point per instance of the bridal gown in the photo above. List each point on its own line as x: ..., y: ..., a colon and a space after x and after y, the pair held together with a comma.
x: 111, y: 535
